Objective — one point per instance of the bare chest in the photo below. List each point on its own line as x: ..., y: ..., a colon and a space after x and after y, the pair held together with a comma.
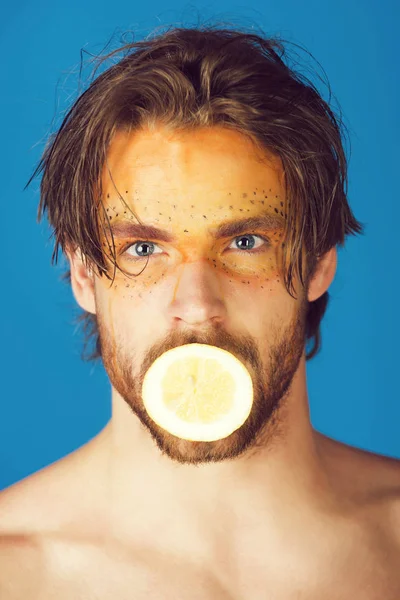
x: 65, y: 571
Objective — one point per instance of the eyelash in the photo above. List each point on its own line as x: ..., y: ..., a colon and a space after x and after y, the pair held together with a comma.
x: 137, y: 258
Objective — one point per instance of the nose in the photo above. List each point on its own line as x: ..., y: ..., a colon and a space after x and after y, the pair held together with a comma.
x: 197, y: 296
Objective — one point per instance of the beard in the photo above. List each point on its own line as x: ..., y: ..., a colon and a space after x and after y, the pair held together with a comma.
x: 272, y: 380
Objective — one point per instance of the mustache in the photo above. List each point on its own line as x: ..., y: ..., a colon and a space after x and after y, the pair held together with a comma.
x: 242, y: 347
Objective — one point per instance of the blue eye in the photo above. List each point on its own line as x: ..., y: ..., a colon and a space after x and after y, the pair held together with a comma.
x: 246, y: 249
x: 251, y: 235
x: 139, y: 243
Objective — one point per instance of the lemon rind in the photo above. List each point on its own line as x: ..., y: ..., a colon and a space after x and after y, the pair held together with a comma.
x: 165, y: 418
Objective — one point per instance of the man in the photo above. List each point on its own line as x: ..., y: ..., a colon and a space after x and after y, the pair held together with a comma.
x: 147, y: 186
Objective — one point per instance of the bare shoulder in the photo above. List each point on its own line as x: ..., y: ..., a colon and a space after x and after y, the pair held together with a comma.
x: 370, y: 480
x: 41, y: 519
x: 360, y: 470
x: 42, y: 514
x: 68, y: 492
x: 61, y: 495
x: 22, y: 566
x: 34, y: 502
x: 27, y: 509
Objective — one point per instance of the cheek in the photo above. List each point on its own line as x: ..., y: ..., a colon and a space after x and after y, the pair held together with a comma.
x: 129, y: 306
x: 262, y: 281
x: 113, y: 302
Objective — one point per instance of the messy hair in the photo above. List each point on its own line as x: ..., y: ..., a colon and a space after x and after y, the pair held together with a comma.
x: 187, y: 78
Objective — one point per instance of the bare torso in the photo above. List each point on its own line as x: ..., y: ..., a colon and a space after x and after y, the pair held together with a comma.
x: 61, y: 550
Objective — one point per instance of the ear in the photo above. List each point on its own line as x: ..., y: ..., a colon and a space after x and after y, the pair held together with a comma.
x: 82, y: 281
x: 324, y: 274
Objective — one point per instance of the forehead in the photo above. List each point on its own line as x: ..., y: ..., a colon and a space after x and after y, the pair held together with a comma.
x: 198, y: 163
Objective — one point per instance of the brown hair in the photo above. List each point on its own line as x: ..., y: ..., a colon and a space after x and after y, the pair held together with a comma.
x: 186, y: 78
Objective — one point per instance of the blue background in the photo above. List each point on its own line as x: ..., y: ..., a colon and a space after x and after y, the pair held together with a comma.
x: 51, y: 401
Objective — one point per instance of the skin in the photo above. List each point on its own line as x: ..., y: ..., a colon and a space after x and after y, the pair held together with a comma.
x: 275, y: 508
x: 197, y: 290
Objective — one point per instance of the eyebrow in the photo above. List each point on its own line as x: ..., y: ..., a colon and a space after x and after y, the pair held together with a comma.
x: 126, y: 229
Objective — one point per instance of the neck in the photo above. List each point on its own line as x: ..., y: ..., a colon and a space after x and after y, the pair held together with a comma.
x: 285, y: 478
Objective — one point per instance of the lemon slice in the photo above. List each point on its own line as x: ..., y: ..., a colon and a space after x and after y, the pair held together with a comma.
x: 198, y: 392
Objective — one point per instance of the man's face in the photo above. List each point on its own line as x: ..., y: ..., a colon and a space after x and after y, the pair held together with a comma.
x: 197, y: 288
